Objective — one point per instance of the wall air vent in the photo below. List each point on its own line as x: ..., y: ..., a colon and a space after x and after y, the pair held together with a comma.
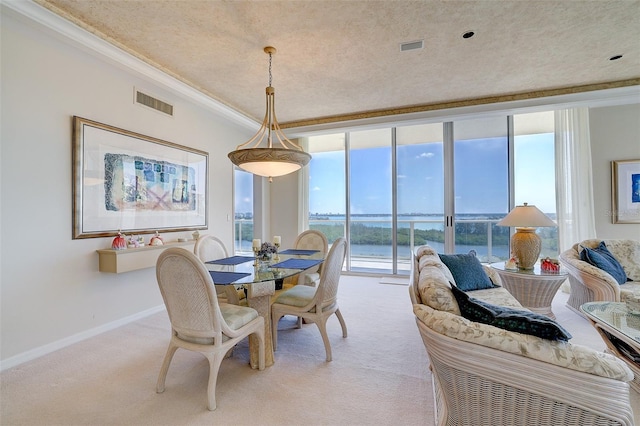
x: 411, y: 45
x: 151, y: 102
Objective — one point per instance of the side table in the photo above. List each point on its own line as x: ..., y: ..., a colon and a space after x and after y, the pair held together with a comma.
x: 533, y: 288
x: 620, y: 330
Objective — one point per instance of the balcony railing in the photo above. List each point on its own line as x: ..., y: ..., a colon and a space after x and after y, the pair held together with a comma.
x: 376, y: 256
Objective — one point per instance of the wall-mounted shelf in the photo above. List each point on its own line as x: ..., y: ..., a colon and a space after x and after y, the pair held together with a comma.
x: 132, y: 259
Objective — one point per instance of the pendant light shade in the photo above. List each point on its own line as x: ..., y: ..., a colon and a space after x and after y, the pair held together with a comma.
x: 258, y: 155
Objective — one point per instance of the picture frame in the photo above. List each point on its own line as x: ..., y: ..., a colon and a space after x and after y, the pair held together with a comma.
x: 625, y: 191
x: 135, y: 184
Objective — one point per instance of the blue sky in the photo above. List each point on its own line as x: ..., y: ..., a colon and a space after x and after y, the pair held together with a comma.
x: 480, y: 176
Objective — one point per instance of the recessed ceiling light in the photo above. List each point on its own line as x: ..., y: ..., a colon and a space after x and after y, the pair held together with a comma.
x: 468, y: 34
x: 615, y: 57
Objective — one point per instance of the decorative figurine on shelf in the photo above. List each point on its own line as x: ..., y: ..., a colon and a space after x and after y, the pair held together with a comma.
x: 156, y: 240
x: 549, y: 265
x: 511, y: 264
x: 135, y: 242
x: 195, y: 234
x: 119, y: 242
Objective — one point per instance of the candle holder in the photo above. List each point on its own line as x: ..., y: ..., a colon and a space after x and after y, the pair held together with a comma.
x: 276, y: 257
x: 256, y: 250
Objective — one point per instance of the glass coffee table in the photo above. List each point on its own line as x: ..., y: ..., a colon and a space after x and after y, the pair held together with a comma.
x: 620, y: 330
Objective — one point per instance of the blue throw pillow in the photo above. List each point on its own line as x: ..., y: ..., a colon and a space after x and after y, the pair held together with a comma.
x: 510, y: 319
x: 467, y: 271
x: 601, y: 258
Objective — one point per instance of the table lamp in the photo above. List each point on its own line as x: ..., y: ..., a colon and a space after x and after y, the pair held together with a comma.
x: 525, y: 243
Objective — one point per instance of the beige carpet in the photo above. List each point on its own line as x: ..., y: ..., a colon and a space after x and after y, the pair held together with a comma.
x: 379, y: 374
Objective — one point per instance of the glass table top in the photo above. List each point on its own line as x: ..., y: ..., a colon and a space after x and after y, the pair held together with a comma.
x: 615, y: 315
x: 265, y: 271
x: 536, y: 271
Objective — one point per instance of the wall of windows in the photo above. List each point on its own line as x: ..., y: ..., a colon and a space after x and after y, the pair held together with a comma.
x: 442, y: 184
x: 243, y: 207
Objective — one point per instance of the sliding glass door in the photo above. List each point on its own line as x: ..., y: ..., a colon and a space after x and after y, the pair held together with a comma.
x: 390, y: 190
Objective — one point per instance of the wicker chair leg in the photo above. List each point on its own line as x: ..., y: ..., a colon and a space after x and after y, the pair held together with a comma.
x: 215, y: 359
x: 165, y: 367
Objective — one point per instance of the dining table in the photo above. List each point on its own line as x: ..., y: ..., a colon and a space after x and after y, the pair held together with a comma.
x: 258, y: 278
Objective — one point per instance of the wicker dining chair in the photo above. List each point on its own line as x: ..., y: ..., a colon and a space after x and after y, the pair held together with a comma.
x: 209, y: 247
x: 198, y: 322
x: 311, y: 240
x: 315, y: 304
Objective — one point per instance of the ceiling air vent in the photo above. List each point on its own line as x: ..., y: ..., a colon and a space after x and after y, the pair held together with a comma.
x: 411, y: 45
x: 151, y: 102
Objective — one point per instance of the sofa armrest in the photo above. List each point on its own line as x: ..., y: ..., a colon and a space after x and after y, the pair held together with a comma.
x: 493, y: 275
x: 601, y: 283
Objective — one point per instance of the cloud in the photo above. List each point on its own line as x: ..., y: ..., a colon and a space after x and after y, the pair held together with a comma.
x: 316, y: 188
x: 425, y: 155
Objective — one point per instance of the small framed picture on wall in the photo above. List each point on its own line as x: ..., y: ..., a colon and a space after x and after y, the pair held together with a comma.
x: 625, y: 191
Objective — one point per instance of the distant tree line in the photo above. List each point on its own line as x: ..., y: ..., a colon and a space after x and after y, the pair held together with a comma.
x: 467, y: 233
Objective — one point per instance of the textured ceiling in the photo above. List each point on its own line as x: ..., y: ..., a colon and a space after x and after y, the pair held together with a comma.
x: 343, y: 57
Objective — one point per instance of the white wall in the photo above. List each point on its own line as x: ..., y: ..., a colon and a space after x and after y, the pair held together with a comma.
x: 615, y: 135
x: 51, y: 290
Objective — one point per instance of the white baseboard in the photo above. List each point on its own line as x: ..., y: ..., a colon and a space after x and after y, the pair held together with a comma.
x: 68, y: 341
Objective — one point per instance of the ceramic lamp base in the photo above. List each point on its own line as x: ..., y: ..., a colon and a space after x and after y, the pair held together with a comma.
x: 526, y: 245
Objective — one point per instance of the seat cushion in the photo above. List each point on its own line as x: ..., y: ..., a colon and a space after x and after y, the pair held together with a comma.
x: 601, y: 258
x: 299, y: 295
x: 237, y: 316
x: 519, y: 321
x: 467, y: 271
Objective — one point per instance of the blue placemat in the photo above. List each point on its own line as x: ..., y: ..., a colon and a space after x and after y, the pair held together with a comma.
x: 220, y: 277
x: 297, y: 263
x: 299, y: 252
x: 233, y: 260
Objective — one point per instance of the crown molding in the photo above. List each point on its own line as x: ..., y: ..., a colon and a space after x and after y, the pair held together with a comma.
x: 592, y: 96
x: 74, y: 35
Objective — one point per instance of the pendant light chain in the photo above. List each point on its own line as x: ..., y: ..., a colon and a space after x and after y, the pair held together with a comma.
x: 270, y: 56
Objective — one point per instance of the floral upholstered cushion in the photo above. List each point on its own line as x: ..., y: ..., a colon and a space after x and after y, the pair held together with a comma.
x: 435, y: 290
x: 564, y: 354
x: 628, y: 254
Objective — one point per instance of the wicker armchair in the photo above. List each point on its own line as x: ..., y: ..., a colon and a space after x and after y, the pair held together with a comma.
x: 590, y: 284
x: 208, y: 248
x: 198, y: 322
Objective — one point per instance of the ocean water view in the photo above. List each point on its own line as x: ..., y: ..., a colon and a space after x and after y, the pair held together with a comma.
x: 371, y: 237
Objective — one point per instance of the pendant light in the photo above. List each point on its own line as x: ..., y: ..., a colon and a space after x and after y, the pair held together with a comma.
x: 258, y: 155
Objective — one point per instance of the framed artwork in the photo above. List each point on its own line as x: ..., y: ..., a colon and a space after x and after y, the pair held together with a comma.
x: 625, y: 191
x: 128, y: 182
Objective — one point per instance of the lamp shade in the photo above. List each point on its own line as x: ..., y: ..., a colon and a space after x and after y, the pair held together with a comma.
x: 525, y: 243
x: 526, y: 216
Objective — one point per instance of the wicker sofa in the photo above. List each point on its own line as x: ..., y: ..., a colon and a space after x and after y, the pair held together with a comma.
x: 486, y: 375
x: 589, y: 283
